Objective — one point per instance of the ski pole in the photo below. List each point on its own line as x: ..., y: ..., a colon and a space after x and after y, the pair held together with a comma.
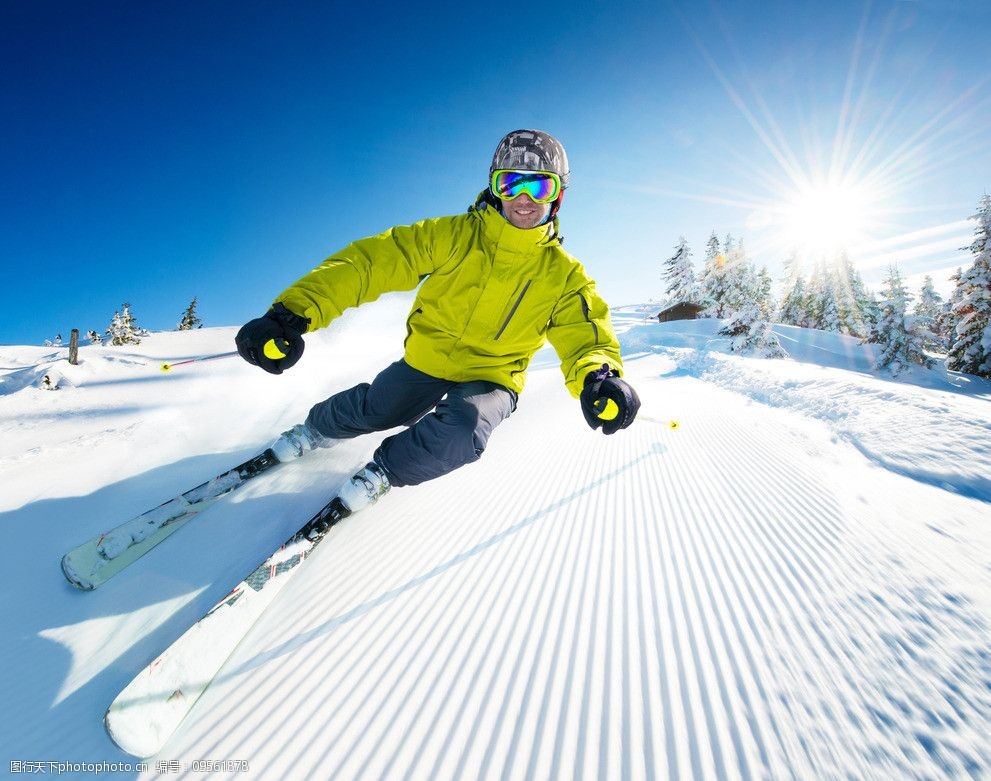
x: 167, y: 367
x: 607, y: 409
x: 273, y: 349
x: 671, y: 424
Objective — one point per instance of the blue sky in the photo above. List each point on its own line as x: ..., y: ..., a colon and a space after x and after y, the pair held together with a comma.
x: 152, y: 152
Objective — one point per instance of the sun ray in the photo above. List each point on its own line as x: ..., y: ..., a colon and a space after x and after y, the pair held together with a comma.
x: 782, y: 155
x: 843, y: 138
x: 828, y: 195
x: 930, y: 131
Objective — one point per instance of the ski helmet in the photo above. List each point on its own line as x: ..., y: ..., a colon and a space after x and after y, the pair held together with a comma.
x: 531, y: 150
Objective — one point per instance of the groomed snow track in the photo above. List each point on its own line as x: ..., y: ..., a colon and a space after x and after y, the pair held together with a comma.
x: 772, y: 590
x: 688, y: 603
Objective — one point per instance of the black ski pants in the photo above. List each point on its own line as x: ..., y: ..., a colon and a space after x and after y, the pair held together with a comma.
x: 448, y: 423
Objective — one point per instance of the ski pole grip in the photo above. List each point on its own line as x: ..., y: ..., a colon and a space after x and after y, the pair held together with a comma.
x: 276, y: 349
x: 605, y: 408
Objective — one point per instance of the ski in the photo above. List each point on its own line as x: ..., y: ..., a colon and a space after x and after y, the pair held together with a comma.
x: 93, y: 563
x: 150, y: 708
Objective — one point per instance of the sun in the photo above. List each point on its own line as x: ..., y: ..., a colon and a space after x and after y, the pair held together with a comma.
x: 822, y: 220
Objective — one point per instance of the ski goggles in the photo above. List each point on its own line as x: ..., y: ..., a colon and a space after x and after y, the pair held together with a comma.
x: 541, y: 186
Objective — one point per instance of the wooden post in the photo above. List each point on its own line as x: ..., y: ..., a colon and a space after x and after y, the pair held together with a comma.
x: 74, y: 347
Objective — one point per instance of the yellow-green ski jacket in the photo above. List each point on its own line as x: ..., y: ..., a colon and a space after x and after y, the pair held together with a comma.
x: 492, y: 294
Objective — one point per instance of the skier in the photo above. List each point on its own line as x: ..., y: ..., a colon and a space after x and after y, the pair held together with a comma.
x: 496, y: 284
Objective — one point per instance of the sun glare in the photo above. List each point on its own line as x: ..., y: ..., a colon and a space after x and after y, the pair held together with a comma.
x: 823, y: 220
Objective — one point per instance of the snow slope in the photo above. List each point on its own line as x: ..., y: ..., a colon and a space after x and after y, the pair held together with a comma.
x: 795, y: 582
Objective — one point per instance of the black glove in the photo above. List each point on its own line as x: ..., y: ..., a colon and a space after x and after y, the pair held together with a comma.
x: 280, y: 326
x: 601, y: 387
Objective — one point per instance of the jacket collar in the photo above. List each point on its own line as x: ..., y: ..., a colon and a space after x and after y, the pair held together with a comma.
x: 501, y: 231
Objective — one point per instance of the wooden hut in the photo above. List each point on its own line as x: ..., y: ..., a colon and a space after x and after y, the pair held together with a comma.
x: 680, y: 311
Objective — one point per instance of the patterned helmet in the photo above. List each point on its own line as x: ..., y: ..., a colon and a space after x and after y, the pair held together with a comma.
x: 531, y: 150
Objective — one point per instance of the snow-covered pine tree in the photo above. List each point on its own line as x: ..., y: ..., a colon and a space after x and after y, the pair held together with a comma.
x: 680, y: 275
x: 707, y: 282
x: 928, y: 310
x: 115, y: 331
x: 930, y: 302
x: 94, y: 337
x: 971, y: 348
x: 946, y: 321
x: 190, y: 319
x: 898, y: 333
x: 793, y: 306
x: 829, y: 312
x: 821, y: 307
x: 739, y: 282
x: 752, y: 333
x: 765, y: 297
x: 871, y: 310
x: 850, y: 295
x: 123, y: 328
x: 814, y: 296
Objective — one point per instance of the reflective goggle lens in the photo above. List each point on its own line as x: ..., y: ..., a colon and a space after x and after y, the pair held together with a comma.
x: 541, y: 186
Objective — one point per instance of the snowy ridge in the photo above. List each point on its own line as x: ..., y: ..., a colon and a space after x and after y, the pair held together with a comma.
x: 744, y: 596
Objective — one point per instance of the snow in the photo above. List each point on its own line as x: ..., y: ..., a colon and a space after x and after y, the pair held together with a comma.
x: 794, y: 582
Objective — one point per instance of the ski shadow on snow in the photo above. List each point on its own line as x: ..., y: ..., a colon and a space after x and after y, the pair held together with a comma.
x: 57, y: 691
x: 331, y: 624
x: 160, y: 377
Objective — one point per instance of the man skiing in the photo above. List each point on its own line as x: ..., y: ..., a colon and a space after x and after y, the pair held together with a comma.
x: 495, y: 285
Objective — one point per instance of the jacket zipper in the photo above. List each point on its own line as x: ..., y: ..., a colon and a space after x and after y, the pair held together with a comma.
x: 515, y: 307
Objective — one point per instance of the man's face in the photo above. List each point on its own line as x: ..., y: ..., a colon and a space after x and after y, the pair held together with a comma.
x: 524, y: 213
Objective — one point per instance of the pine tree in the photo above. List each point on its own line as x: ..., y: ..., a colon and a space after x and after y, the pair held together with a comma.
x: 946, y: 321
x: 190, y: 319
x: 94, y: 337
x: 821, y: 308
x: 123, y: 328
x: 928, y: 310
x: 815, y: 295
x: 711, y: 269
x: 765, y: 297
x: 680, y: 276
x: 792, y: 310
x: 851, y: 298
x: 897, y: 333
x: 930, y: 302
x: 971, y: 348
x: 739, y: 283
x: 871, y: 309
x: 829, y: 312
x: 752, y: 333
x: 793, y: 306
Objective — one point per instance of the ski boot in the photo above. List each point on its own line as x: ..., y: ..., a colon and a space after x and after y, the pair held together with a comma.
x: 364, y: 488
x: 298, y: 440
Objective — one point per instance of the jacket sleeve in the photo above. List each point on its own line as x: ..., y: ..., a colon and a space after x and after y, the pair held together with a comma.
x: 365, y: 269
x: 582, y: 334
